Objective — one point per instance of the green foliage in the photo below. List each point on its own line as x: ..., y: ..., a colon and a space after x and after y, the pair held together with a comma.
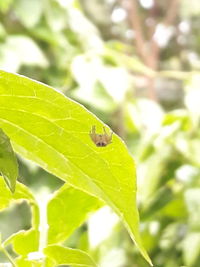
x: 86, y: 49
x: 21, y: 193
x: 22, y: 262
x: 53, y: 131
x: 57, y: 255
x: 24, y: 242
x: 8, y: 161
x: 60, y: 211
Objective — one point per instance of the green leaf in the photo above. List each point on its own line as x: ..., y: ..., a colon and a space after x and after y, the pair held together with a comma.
x: 23, y: 262
x: 8, y: 161
x: 62, y: 218
x: 62, y: 255
x: 52, y: 130
x: 24, y: 242
x: 6, y: 198
x: 21, y: 193
x: 160, y: 199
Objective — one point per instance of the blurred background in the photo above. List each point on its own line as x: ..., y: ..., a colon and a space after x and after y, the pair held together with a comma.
x: 136, y: 65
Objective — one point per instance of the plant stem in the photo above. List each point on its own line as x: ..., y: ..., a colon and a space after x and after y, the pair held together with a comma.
x: 43, y: 201
x: 8, y: 256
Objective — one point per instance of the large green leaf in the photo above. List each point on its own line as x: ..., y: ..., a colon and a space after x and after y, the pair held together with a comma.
x: 62, y: 218
x: 58, y: 255
x: 8, y: 161
x: 53, y: 131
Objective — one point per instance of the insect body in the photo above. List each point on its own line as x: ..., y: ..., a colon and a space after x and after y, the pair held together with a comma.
x: 100, y: 140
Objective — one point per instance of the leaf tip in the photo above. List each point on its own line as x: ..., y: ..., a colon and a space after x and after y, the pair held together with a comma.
x: 10, y: 185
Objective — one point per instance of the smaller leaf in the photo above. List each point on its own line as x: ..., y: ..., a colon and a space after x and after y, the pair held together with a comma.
x: 160, y: 199
x: 21, y: 193
x: 6, y: 198
x: 62, y: 218
x: 24, y: 242
x: 23, y: 262
x: 8, y: 161
x: 61, y: 255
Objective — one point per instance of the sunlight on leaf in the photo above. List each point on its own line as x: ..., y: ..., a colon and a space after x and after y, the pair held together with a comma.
x: 60, y: 255
x: 52, y: 130
x: 62, y: 218
x: 24, y: 242
x: 23, y: 262
x: 8, y: 161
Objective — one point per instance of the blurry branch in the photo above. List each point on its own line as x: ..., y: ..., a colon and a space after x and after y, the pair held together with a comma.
x: 154, y: 47
x: 147, y: 57
x: 148, y: 49
x: 134, y: 19
x: 136, y: 66
x: 171, y: 12
x: 168, y: 20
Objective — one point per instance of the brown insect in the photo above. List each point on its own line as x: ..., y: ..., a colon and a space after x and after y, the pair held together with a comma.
x: 100, y: 139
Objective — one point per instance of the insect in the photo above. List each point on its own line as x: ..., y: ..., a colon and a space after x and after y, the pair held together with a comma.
x: 100, y: 139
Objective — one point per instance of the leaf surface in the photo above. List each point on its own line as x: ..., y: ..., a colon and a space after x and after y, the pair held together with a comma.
x: 52, y: 130
x: 7, y: 198
x: 24, y: 262
x: 66, y: 211
x: 8, y: 161
x: 61, y: 255
x: 24, y: 242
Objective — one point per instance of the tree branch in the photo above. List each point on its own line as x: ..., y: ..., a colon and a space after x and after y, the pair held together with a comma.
x: 171, y: 12
x: 167, y: 20
x: 133, y: 17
